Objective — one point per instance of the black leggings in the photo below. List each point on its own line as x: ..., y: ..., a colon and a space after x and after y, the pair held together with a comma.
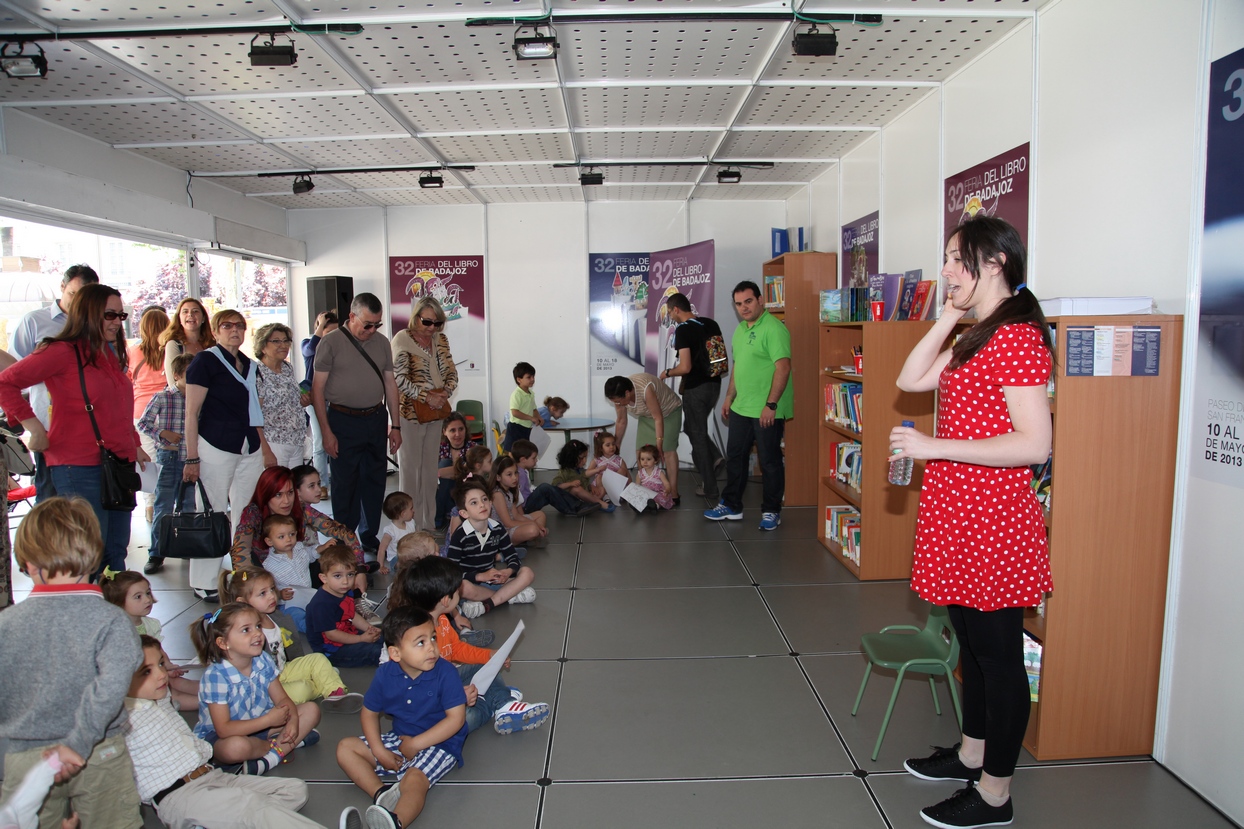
x: 996, y: 700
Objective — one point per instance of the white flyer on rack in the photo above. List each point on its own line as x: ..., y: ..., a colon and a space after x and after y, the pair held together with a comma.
x: 485, y: 675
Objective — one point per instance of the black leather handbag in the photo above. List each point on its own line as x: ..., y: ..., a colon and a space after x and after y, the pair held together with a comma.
x: 203, y: 534
x: 118, y: 479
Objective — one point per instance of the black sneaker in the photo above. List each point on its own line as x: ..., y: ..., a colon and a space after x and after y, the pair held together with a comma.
x: 966, y: 809
x: 207, y: 595
x: 154, y: 565
x: 942, y: 764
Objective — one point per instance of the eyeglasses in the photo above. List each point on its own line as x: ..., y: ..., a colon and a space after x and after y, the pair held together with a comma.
x: 369, y: 326
x: 430, y: 323
x: 275, y: 341
x: 229, y: 326
x: 111, y: 316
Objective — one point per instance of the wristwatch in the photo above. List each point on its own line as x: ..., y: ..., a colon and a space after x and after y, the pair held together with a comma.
x: 771, y: 406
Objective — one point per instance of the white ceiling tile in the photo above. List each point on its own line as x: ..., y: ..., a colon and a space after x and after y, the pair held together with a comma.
x: 468, y: 110
x: 136, y: 14
x: 652, y: 174
x: 616, y: 146
x: 802, y: 106
x: 76, y: 74
x: 647, y: 192
x: 147, y: 123
x: 217, y: 64
x: 220, y: 159
x: 654, y: 106
x: 805, y: 144
x: 522, y: 174
x: 682, y: 50
x: 799, y: 173
x: 520, y: 195
x: 329, y: 115
x: 472, y: 149
x: 384, y: 152
x: 419, y: 196
x: 319, y: 199
x: 745, y: 192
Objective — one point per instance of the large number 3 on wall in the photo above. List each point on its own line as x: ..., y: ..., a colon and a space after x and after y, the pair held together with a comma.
x: 1236, y: 79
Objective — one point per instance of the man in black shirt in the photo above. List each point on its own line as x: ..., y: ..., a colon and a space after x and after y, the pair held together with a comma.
x: 701, y: 385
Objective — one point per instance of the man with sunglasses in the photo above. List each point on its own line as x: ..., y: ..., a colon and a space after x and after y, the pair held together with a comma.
x: 356, y: 404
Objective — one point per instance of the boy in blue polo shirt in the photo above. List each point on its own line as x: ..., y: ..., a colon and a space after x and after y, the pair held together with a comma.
x: 429, y: 724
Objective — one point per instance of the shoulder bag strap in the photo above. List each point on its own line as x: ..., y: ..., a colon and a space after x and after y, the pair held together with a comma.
x: 90, y: 410
x: 366, y: 357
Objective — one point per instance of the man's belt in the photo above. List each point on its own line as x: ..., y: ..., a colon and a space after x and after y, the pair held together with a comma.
x: 346, y: 410
x: 177, y: 784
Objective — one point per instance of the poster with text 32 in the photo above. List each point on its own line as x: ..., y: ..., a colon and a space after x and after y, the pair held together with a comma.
x: 687, y: 270
x: 860, y: 250
x: 1218, y: 428
x: 996, y: 187
x: 617, y: 311
x: 457, y: 283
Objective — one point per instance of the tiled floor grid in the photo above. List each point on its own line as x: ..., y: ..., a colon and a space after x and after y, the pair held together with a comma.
x: 702, y: 676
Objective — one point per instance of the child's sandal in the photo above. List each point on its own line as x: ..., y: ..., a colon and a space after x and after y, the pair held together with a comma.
x: 273, y: 743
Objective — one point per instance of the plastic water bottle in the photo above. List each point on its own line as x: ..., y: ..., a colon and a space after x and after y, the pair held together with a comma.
x: 900, y: 470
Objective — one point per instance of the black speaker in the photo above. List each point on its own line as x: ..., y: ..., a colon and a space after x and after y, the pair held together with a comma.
x: 329, y: 293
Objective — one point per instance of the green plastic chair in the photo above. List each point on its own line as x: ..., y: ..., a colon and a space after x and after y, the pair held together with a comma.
x: 932, y: 650
x: 473, y: 411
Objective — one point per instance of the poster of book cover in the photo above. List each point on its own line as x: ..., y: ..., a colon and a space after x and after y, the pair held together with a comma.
x: 1219, y: 398
x: 860, y: 250
x: 687, y: 270
x: 618, y: 311
x: 997, y: 187
x: 457, y: 283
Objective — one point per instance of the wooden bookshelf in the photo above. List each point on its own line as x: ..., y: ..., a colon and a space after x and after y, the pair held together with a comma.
x: 1112, y: 494
x: 887, y: 512
x: 803, y: 276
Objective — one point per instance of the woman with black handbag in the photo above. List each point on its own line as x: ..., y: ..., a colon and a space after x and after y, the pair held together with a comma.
x: 91, y: 445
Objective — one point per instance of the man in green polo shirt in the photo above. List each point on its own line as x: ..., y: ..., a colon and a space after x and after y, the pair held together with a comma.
x: 758, y: 404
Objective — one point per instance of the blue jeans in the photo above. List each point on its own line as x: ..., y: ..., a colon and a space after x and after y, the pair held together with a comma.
x: 444, y: 500
x: 488, y: 703
x: 359, y: 471
x: 549, y: 495
x: 167, y: 486
x: 697, y: 406
x: 42, y: 479
x: 356, y: 655
x: 114, y: 525
x: 744, y: 431
x: 515, y: 431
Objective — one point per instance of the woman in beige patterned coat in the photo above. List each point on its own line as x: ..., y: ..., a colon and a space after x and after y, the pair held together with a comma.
x: 425, y: 372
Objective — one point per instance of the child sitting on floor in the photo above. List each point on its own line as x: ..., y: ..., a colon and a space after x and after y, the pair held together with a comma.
x: 434, y: 585
x: 476, y: 547
x: 174, y: 772
x: 570, y: 477
x: 303, y: 675
x: 650, y: 476
x: 335, y: 628
x: 399, y: 508
x: 244, y: 711
x: 131, y: 592
x: 428, y: 731
x: 507, y: 506
x: 536, y: 498
x: 289, y: 561
x: 607, y: 457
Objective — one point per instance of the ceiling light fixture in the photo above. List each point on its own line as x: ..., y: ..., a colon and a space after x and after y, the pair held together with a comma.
x: 303, y: 184
x: 272, y: 53
x: 21, y: 65
x: 815, y: 43
x: 591, y: 178
x: 431, y: 181
x: 729, y: 175
x: 535, y: 46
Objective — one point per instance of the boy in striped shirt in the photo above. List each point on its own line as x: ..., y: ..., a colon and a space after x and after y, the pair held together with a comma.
x: 491, y: 572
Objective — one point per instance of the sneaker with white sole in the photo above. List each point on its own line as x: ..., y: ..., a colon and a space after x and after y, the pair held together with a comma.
x: 521, y: 716
x: 515, y: 694
x: 472, y: 610
x: 721, y: 512
x: 966, y: 809
x: 378, y: 818
x: 364, y: 605
x: 350, y: 819
x: 387, y: 797
x: 770, y: 521
x: 350, y: 703
x: 525, y: 596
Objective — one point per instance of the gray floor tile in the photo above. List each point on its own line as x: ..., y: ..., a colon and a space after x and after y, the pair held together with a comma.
x: 797, y: 522
x: 792, y: 561
x: 171, y: 603
x: 627, y: 525
x: 689, y: 564
x: 554, y: 565
x: 809, y: 803
x: 491, y: 757
x: 914, y: 726
x: 831, y: 618
x: 176, y: 632
x: 689, y: 622
x: 681, y: 718
x: 449, y: 804
x: 1138, y: 795
x: 544, y: 635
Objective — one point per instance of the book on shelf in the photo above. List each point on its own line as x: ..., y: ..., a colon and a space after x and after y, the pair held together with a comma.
x: 847, y: 461
x: 1042, y: 475
x: 842, y: 525
x: 831, y: 306
x: 909, y: 282
x: 921, y: 300
x: 775, y: 292
x: 779, y: 241
x: 844, y: 404
x: 1032, y: 664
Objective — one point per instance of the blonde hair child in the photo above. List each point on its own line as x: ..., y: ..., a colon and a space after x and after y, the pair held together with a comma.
x: 257, y: 729
x: 131, y: 592
x: 303, y: 675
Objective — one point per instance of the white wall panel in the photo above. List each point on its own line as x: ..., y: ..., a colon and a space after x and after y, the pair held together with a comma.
x: 823, y: 201
x: 912, y: 191
x: 861, y: 182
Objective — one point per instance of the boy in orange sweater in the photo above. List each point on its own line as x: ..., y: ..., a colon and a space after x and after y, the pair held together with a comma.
x: 433, y: 585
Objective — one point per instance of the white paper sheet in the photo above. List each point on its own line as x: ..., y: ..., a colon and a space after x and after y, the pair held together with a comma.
x: 148, y: 476
x: 302, y: 595
x: 541, y: 439
x: 622, y: 491
x: 485, y: 675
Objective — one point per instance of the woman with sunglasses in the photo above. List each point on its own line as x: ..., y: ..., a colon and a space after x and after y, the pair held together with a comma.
x: 225, y: 444
x: 92, y: 334
x: 424, y: 369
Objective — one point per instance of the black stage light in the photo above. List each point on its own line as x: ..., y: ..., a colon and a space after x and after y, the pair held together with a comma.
x: 21, y: 65
x: 431, y: 181
x: 272, y: 53
x: 729, y: 176
x: 591, y: 178
x: 816, y: 44
x: 303, y: 184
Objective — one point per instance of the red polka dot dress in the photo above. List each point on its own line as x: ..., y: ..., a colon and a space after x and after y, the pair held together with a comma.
x: 980, y: 535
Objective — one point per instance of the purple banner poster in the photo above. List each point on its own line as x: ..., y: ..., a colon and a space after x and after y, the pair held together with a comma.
x: 997, y: 187
x: 457, y: 282
x: 617, y: 311
x: 860, y: 250
x: 687, y: 270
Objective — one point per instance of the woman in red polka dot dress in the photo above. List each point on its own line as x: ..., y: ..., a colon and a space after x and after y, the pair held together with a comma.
x: 980, y: 539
